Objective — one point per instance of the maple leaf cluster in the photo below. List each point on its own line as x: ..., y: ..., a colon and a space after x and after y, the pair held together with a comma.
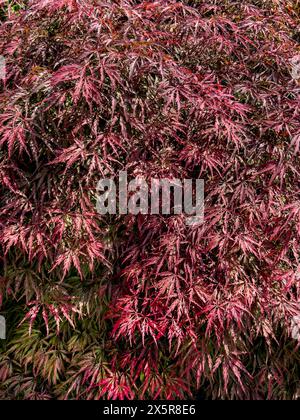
x: 147, y: 307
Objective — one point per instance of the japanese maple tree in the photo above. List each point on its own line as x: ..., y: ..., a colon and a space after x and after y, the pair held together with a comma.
x: 147, y: 307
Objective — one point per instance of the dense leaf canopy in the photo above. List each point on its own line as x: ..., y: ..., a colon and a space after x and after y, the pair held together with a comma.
x: 145, y: 306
